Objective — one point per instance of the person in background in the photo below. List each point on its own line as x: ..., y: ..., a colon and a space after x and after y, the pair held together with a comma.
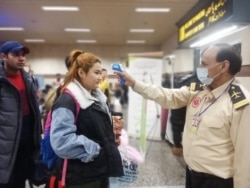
x: 117, y: 94
x: 20, y: 125
x: 89, y: 141
x: 67, y: 65
x: 53, y: 93
x: 104, y: 84
x: 216, y: 132
x: 124, y: 96
x: 35, y: 81
x: 58, y: 82
x: 177, y: 117
x: 164, y: 112
x: 166, y: 80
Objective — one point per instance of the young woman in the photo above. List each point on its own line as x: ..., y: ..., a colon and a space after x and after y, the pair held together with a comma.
x: 86, y: 139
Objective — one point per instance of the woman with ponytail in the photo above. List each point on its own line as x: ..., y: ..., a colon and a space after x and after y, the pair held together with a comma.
x: 85, y: 138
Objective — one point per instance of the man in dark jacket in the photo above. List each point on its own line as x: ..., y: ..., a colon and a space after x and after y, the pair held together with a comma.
x: 20, y: 125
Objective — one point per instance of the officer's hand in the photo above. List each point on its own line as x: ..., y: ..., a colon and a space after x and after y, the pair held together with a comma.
x: 129, y: 80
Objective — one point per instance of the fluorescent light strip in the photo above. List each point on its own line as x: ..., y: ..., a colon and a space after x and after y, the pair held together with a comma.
x: 34, y: 40
x: 77, y: 30
x: 141, y: 30
x: 11, y: 29
x: 215, y: 36
x: 136, y: 41
x: 86, y: 41
x: 172, y: 56
x: 56, y: 8
x: 152, y: 9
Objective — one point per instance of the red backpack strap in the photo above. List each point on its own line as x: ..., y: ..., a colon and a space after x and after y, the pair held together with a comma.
x: 52, y: 181
x: 65, y: 165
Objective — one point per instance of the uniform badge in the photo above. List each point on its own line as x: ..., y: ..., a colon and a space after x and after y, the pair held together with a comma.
x: 194, y: 86
x: 196, y: 102
x: 237, y: 97
x: 195, y: 124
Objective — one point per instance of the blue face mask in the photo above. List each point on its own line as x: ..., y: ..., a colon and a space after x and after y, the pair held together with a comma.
x: 202, y: 74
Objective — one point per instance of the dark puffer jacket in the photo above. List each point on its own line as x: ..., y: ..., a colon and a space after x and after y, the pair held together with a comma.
x: 11, y: 121
x: 95, y: 124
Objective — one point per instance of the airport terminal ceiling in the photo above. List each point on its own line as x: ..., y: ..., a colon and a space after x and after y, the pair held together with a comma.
x: 107, y: 22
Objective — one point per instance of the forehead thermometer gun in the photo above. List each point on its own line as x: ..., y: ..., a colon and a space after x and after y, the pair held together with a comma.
x: 118, y: 67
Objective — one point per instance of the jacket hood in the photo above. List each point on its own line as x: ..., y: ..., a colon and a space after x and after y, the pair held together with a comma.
x: 84, y: 98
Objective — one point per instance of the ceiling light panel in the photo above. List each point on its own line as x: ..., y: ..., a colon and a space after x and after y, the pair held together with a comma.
x: 152, y: 9
x: 216, y: 36
x: 86, y: 41
x: 136, y: 41
x: 141, y: 30
x: 34, y: 40
x: 11, y: 29
x: 59, y: 8
x: 77, y: 30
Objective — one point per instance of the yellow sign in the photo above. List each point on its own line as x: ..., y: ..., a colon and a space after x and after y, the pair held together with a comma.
x: 204, y: 18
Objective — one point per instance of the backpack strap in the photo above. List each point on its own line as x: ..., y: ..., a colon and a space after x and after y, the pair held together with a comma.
x: 76, y: 102
x: 65, y: 165
x: 65, y: 161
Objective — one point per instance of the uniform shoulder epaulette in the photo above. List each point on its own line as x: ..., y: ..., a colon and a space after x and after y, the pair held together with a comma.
x: 237, y: 96
x: 196, y: 86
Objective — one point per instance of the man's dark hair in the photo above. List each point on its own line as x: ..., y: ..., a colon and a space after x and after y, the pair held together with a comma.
x: 230, y: 53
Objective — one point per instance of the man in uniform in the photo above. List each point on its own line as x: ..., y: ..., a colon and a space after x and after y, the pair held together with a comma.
x: 216, y: 132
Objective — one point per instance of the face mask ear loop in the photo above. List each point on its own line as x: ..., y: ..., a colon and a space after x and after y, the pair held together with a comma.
x: 219, y: 71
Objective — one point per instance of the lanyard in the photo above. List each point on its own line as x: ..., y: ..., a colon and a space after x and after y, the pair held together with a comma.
x: 202, y: 111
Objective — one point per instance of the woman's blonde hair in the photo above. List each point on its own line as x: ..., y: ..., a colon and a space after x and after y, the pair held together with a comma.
x: 79, y: 59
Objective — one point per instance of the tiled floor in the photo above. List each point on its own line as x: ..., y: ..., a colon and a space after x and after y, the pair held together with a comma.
x: 161, y: 168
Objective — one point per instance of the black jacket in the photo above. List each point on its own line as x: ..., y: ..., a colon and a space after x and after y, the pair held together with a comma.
x: 95, y: 124
x: 11, y: 122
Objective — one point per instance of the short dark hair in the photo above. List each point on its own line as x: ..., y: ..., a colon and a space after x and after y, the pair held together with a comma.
x: 67, y: 62
x: 231, y: 54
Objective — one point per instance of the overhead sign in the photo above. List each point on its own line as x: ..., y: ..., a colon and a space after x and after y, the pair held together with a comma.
x: 204, y: 15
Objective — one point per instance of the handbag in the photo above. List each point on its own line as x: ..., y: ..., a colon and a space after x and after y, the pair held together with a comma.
x: 131, y: 158
x: 39, y: 173
x: 42, y: 175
